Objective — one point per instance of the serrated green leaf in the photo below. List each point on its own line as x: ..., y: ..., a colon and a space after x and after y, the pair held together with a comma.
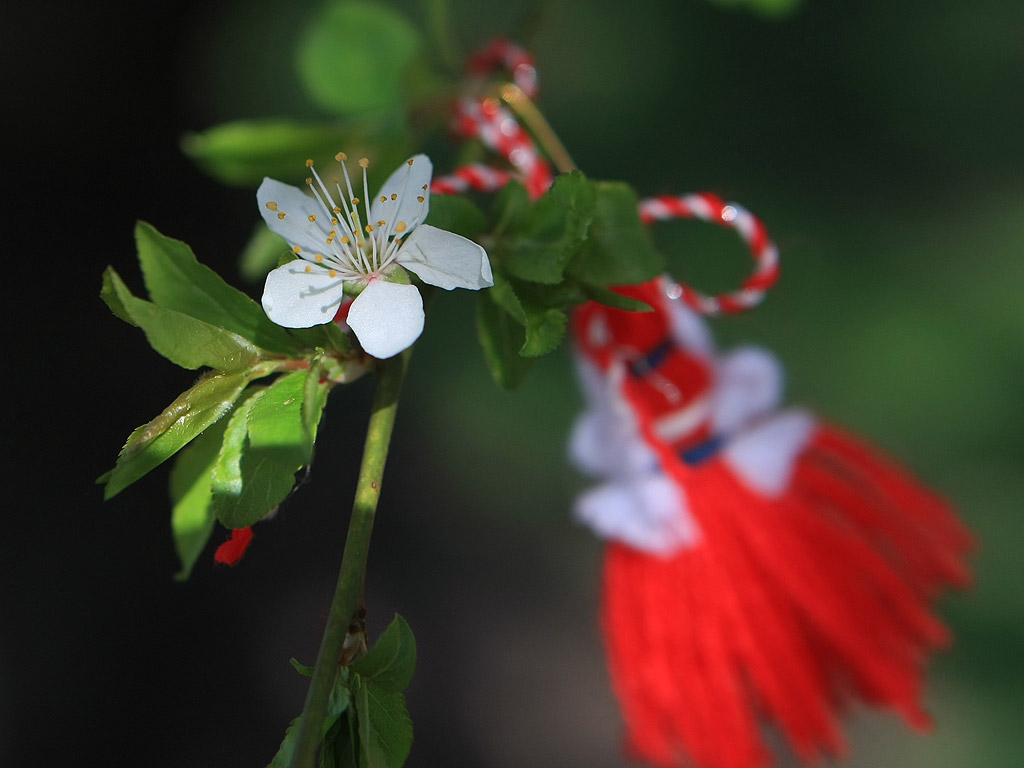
x: 176, y: 280
x: 552, y: 231
x: 390, y: 663
x: 503, y: 294
x: 456, y: 214
x: 385, y: 730
x: 354, y: 56
x: 111, y: 297
x: 501, y: 337
x: 269, y: 438
x: 191, y: 413
x: 283, y: 758
x: 545, y: 329
x: 314, y: 397
x: 247, y: 484
x: 182, y: 339
x: 262, y: 253
x: 191, y: 517
x: 618, y: 249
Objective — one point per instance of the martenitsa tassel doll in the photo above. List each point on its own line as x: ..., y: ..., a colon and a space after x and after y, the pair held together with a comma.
x: 761, y: 564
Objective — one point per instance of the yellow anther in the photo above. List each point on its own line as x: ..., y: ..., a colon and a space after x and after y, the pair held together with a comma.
x: 308, y: 269
x: 333, y: 273
x: 272, y: 206
x: 364, y: 162
x: 334, y: 180
x: 280, y: 215
x: 341, y: 157
x: 309, y: 181
x: 309, y: 163
x: 400, y: 227
x: 369, y: 228
x: 419, y: 199
x: 319, y: 257
x: 296, y: 249
x: 334, y: 221
x: 355, y: 201
x: 381, y: 223
x: 383, y: 199
x: 336, y: 209
x: 312, y: 218
x: 346, y: 240
x: 424, y: 187
x: 394, y: 195
x: 410, y: 160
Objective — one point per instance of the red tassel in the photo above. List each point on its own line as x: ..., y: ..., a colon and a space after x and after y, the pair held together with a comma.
x: 788, y: 606
x: 232, y: 550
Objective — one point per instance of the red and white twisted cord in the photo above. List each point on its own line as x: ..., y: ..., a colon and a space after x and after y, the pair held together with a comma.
x: 498, y: 130
x: 502, y: 53
x: 496, y: 127
x: 476, y: 177
x: 710, y: 208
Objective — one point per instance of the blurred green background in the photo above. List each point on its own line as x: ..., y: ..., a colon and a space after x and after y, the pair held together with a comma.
x: 880, y: 142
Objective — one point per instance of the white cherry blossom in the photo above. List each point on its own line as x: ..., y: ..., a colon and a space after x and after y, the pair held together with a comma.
x: 340, y: 252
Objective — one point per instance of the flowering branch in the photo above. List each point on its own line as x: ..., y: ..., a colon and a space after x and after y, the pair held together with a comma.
x: 348, y: 593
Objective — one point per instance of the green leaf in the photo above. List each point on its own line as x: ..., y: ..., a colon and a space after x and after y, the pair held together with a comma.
x: 552, y: 231
x: 341, y: 744
x: 354, y: 56
x: 545, y: 329
x: 314, y: 397
x: 510, y: 207
x: 242, y: 153
x: 262, y: 253
x: 191, y: 517
x: 618, y: 250
x: 325, y: 335
x: 283, y: 758
x: 191, y: 413
x: 392, y: 660
x: 247, y: 485
x: 277, y: 423
x: 616, y: 300
x: 176, y: 280
x: 385, y: 730
x: 183, y: 340
x: 501, y: 337
x: 269, y: 438
x: 456, y: 214
x: 301, y: 668
x: 504, y: 295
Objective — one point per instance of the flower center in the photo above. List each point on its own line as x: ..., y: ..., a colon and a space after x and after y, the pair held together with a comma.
x: 356, y: 248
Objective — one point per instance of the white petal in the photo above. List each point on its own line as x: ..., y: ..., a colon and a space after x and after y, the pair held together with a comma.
x: 386, y: 317
x: 410, y: 183
x: 649, y: 514
x: 764, y: 455
x: 445, y: 259
x: 749, y: 385
x: 297, y: 206
x: 297, y: 298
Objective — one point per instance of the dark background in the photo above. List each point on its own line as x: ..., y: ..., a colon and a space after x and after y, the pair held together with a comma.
x: 879, y: 141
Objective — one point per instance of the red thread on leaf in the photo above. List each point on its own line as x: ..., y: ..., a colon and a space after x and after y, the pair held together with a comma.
x: 231, y: 551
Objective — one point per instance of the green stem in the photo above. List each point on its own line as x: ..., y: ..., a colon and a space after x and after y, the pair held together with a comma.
x: 348, y: 593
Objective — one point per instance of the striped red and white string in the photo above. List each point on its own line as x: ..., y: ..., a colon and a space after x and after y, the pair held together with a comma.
x: 494, y: 125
